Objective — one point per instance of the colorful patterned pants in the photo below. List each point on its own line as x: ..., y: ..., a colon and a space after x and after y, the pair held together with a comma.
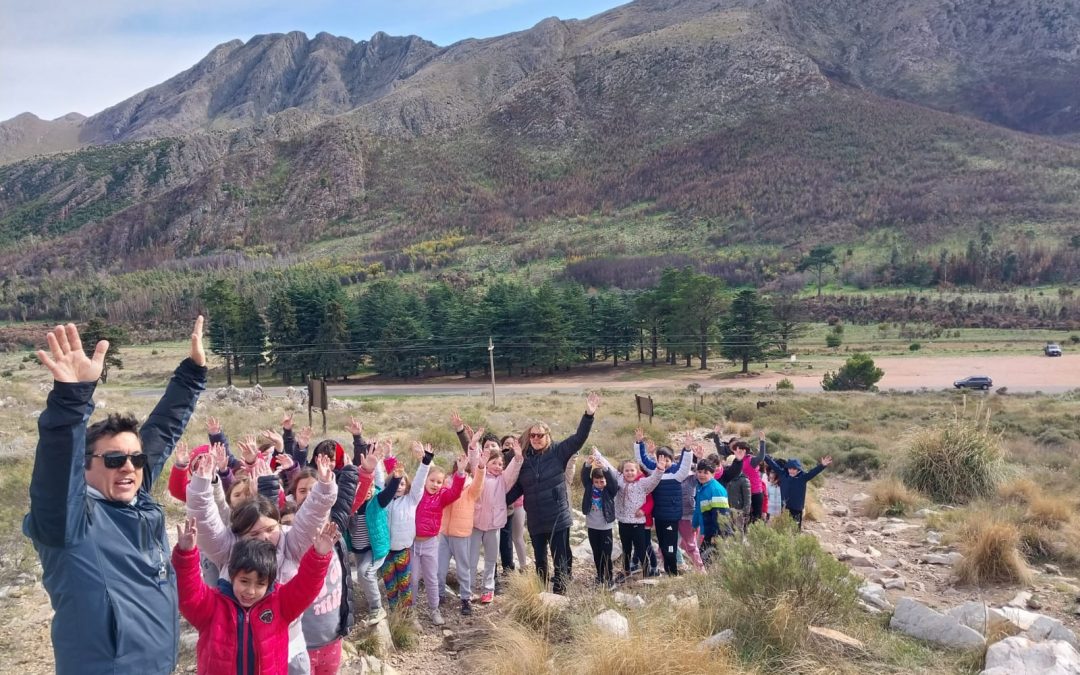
x: 397, y: 578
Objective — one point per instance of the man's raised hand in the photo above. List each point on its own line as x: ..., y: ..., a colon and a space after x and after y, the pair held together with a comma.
x: 198, y: 354
x: 66, y: 359
x: 592, y: 403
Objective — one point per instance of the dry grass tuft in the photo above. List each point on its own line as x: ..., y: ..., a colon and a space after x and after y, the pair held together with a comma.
x: 523, y: 604
x: 889, y: 497
x: 991, y: 553
x: 1020, y: 492
x: 1052, y: 512
x: 650, y: 648
x: 955, y: 461
x: 513, y: 650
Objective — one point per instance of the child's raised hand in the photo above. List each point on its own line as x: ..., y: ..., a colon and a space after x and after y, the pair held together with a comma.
x: 455, y: 421
x: 274, y: 437
x: 213, y: 426
x: 399, y: 472
x: 650, y: 448
x: 202, y: 467
x: 181, y: 453
x: 355, y: 427
x: 369, y: 462
x: 324, y: 469
x: 719, y: 429
x: 826, y: 460
x: 221, y: 457
x: 260, y: 469
x: 476, y: 436
x: 639, y: 435
x: 285, y: 461
x: 515, y: 446
x: 186, y: 534
x: 418, y: 450
x: 303, y: 439
x: 462, y: 463
x: 286, y: 421
x: 325, y: 538
x: 249, y: 451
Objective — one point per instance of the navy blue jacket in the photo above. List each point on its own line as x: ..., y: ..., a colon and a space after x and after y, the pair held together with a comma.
x: 668, y: 495
x: 793, y: 487
x: 542, y: 481
x: 106, y: 564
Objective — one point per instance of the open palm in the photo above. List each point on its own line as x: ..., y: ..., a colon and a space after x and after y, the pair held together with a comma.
x: 66, y: 360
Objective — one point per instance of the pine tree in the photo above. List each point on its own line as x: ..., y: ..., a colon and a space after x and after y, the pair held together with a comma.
x: 747, y: 329
x: 95, y: 331
x: 221, y: 302
x: 284, y: 336
x: 250, y: 337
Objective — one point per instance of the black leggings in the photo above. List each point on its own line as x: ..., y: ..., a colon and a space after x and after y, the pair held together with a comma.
x: 506, y: 545
x: 756, y: 503
x: 636, y: 543
x: 667, y: 535
x: 796, y: 516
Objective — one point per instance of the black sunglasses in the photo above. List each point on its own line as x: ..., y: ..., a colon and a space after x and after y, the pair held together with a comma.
x: 115, y: 460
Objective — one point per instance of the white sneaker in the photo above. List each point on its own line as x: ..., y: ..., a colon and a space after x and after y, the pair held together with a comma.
x: 436, y: 618
x: 375, y: 616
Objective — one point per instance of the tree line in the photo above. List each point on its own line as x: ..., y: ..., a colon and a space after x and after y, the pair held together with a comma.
x: 310, y: 326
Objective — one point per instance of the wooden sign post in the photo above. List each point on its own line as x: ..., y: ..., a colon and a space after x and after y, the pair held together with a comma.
x: 644, y: 406
x: 317, y: 398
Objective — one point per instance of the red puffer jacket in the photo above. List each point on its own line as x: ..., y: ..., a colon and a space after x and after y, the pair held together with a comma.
x: 264, y: 627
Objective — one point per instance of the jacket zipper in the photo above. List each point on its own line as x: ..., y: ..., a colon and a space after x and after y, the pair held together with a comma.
x: 245, y: 631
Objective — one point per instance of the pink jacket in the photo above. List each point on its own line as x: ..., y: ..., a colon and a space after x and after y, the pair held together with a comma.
x: 457, y: 519
x: 757, y: 486
x: 490, y: 512
x: 429, y: 512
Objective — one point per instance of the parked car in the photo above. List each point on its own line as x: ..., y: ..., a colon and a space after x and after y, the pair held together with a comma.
x: 974, y: 382
x: 1052, y: 349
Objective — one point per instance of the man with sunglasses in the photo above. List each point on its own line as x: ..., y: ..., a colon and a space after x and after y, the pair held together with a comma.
x: 98, y: 532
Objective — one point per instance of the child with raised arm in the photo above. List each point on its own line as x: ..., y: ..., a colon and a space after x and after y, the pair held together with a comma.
x: 793, y: 481
x: 667, y: 498
x: 710, y: 504
x: 489, y: 516
x: 401, y: 514
x: 633, y: 535
x: 369, y: 535
x: 243, y: 623
x: 429, y: 515
x: 455, y: 536
x: 598, y: 504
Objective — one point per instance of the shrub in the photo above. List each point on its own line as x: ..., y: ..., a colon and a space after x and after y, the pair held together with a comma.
x: 403, y: 630
x: 914, y: 347
x: 832, y: 340
x: 955, y: 461
x: 889, y: 497
x: 1049, y: 511
x: 858, y: 374
x: 1075, y: 339
x: 785, y: 385
x: 523, y: 604
x: 991, y: 553
x: 1019, y: 492
x: 780, y: 573
x: 860, y: 462
x: 1054, y: 438
x: 513, y: 650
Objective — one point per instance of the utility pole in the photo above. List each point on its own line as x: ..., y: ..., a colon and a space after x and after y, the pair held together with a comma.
x: 491, y: 367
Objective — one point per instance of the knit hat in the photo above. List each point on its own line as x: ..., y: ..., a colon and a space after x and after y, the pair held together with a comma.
x: 794, y: 464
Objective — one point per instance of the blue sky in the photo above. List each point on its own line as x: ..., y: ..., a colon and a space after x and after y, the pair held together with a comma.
x: 60, y: 56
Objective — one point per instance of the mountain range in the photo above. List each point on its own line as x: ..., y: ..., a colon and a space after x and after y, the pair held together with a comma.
x: 741, y: 125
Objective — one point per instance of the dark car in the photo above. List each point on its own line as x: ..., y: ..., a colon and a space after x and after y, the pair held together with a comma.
x: 974, y: 382
x: 1052, y: 349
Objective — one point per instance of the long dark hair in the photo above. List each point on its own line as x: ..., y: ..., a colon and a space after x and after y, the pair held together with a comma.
x: 245, y: 516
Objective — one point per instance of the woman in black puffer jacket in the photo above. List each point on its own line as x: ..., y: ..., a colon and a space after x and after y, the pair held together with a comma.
x: 542, y: 482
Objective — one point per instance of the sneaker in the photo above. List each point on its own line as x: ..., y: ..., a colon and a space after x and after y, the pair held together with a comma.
x: 466, y: 608
x: 436, y: 618
x: 486, y: 598
x: 375, y: 616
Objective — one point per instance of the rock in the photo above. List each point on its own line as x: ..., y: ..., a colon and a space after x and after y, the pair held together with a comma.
x: 872, y: 552
x: 869, y: 609
x: 188, y: 640
x: 946, y: 559
x: 612, y: 623
x: 851, y: 541
x: 840, y: 511
x: 648, y: 582
x: 919, y: 621
x: 629, y: 601
x: 933, y: 538
x: 859, y: 497
x: 1052, y: 569
x: 891, y: 563
x: 582, y: 551
x: 1046, y: 628
x: 554, y: 601
x: 897, y: 528
x: 855, y: 557
x: 830, y: 640
x: 722, y: 638
x: 384, y: 641
x: 874, y: 595
x: 1034, y: 602
x: 852, y: 528
x: 1021, y: 599
x: 683, y: 603
x: 926, y: 513
x: 980, y: 617
x: 895, y: 584
x: 1021, y: 618
x: 1016, y: 655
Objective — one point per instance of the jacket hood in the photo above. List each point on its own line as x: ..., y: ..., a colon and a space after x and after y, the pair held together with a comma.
x: 794, y: 464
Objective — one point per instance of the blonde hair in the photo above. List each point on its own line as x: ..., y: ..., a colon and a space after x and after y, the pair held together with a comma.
x: 526, y: 442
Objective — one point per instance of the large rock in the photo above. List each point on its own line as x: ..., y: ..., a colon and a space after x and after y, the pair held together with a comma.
x: 1048, y: 629
x: 981, y: 617
x: 1019, y: 655
x: 554, y: 601
x: 827, y: 639
x: 855, y: 557
x: 612, y: 623
x: 944, y: 559
x: 1021, y: 618
x: 874, y: 595
x: 919, y: 621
